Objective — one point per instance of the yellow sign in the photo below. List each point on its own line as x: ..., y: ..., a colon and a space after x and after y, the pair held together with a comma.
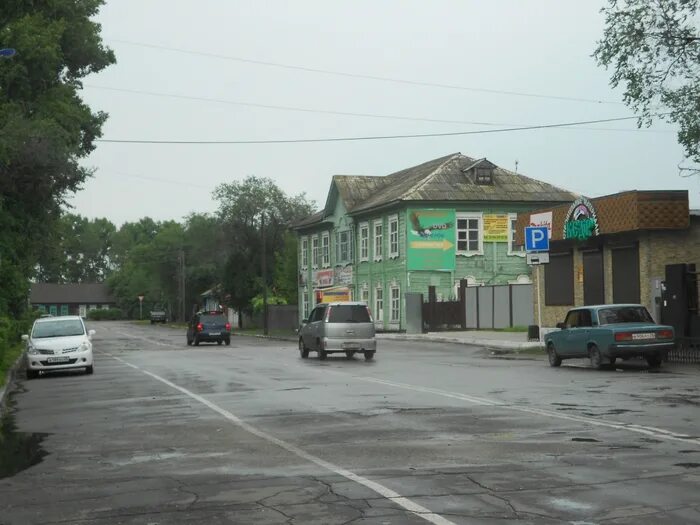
x: 432, y: 245
x: 496, y: 228
x: 336, y: 294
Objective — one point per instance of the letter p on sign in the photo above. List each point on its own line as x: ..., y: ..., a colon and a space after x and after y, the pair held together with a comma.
x: 536, y: 239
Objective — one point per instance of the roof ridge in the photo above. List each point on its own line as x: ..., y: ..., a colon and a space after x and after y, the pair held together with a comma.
x: 430, y: 175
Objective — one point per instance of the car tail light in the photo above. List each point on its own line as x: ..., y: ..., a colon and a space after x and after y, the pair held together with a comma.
x: 228, y: 327
x: 665, y: 334
x: 200, y: 327
x: 623, y: 336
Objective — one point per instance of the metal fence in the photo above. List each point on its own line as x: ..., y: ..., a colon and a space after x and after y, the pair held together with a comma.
x: 687, y: 351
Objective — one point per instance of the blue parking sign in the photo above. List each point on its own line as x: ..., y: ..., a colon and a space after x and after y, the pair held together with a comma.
x: 536, y: 239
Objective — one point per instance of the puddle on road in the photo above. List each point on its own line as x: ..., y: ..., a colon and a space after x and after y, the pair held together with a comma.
x: 18, y: 450
x: 585, y: 440
x: 687, y: 465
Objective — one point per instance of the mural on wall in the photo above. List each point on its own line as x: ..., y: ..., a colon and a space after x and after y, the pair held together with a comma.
x: 581, y: 221
x: 496, y: 228
x: 430, y: 239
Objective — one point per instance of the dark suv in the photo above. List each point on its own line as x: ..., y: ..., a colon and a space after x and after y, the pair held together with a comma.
x: 208, y: 327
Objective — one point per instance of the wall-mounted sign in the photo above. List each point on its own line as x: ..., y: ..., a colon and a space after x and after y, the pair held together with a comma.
x: 542, y: 219
x: 581, y: 221
x: 430, y: 240
x: 323, y: 278
x: 343, y: 275
x: 335, y: 294
x: 496, y: 228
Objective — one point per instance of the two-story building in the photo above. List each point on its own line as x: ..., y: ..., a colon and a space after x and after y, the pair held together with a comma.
x: 433, y: 224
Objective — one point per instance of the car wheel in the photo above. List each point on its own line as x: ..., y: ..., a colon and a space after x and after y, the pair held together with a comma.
x: 303, y: 351
x: 89, y: 369
x: 32, y: 374
x: 554, y: 359
x: 195, y: 341
x: 322, y: 355
x: 369, y: 356
x: 349, y: 354
x: 596, y: 357
x: 654, y: 361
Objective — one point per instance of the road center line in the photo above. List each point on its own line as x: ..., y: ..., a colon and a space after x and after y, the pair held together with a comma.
x: 659, y: 433
x: 380, y: 489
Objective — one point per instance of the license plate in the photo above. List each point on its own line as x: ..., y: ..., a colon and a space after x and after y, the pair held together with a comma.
x: 58, y: 359
x: 643, y: 336
x: 350, y: 346
x: 214, y: 333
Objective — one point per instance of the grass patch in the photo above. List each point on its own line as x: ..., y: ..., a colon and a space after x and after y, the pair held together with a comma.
x: 9, y: 356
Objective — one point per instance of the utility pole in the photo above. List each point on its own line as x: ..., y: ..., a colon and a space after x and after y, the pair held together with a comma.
x: 264, y: 274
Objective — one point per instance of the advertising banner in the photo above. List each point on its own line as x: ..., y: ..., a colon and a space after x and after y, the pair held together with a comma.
x: 430, y: 239
x: 496, y: 228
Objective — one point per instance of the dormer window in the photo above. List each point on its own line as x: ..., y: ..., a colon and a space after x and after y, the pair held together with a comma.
x: 483, y: 175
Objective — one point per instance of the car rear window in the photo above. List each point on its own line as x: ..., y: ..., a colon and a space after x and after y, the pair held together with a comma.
x: 624, y: 314
x: 355, y: 313
x: 208, y: 318
x: 63, y: 328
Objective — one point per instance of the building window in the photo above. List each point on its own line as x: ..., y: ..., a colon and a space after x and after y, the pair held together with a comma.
x: 513, y: 249
x: 344, y: 247
x: 559, y: 280
x: 364, y: 241
x: 395, y: 305
x: 314, y: 252
x: 378, y: 240
x: 484, y: 175
x: 305, y: 303
x: 393, y: 236
x: 326, y: 249
x: 470, y: 234
x: 379, y: 304
x: 304, y: 253
x: 364, y: 295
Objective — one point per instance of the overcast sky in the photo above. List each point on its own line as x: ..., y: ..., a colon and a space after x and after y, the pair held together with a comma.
x: 534, y: 47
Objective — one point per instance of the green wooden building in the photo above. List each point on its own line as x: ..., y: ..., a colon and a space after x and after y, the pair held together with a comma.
x: 444, y: 220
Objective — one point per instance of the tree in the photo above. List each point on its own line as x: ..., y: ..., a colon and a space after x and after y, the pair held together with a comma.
x: 654, y: 50
x: 252, y: 210
x: 45, y: 128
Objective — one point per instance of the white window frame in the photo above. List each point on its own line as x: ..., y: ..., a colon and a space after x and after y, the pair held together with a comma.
x: 395, y: 304
x: 339, y: 247
x: 325, y: 249
x: 378, y: 240
x: 304, y: 253
x: 364, y: 241
x: 379, y: 311
x: 393, y: 237
x: 511, y: 235
x: 364, y: 295
x: 315, y: 249
x: 467, y: 216
x: 305, y: 303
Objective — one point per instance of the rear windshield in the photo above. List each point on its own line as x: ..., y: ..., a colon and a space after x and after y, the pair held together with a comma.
x: 354, y: 313
x: 208, y: 318
x: 624, y: 314
x: 64, y: 328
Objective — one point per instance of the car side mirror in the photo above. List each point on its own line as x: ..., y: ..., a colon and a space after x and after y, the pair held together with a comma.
x: 561, y: 326
x: 91, y: 333
x: 25, y: 338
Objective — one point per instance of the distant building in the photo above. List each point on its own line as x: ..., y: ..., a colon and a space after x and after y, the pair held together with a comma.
x: 70, y: 299
x: 433, y: 224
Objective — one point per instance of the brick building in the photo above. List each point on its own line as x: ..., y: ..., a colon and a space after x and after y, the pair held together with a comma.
x: 613, y: 249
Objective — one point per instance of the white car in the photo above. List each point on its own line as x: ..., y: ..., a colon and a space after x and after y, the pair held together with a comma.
x: 58, y: 343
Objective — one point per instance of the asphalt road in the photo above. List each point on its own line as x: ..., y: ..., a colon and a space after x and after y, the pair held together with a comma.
x: 427, y: 433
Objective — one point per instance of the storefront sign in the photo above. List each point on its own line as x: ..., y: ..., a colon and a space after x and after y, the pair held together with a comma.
x: 343, y: 275
x: 581, y: 221
x: 542, y: 219
x: 323, y: 278
x: 430, y: 239
x: 496, y: 228
x: 336, y: 294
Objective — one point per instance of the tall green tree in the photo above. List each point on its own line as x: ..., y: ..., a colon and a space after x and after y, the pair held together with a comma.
x: 45, y: 127
x: 653, y: 49
x: 255, y: 211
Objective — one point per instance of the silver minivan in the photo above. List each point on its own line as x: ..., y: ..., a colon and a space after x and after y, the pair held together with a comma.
x: 338, y: 327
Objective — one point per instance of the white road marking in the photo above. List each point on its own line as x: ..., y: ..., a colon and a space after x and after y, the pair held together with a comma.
x: 380, y: 489
x: 659, y: 433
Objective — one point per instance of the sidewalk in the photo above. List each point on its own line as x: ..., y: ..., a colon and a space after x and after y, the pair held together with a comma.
x: 499, y: 340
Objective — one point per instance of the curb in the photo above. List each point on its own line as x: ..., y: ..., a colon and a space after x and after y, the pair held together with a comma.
x: 272, y: 337
x: 9, y: 382
x: 482, y: 343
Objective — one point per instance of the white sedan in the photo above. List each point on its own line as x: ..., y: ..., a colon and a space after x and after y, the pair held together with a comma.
x: 58, y: 343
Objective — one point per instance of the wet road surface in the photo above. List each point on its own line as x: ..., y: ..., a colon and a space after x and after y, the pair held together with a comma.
x: 438, y: 433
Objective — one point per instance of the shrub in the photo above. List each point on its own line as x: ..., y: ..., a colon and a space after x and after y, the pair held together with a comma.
x: 11, y: 346
x: 111, y: 314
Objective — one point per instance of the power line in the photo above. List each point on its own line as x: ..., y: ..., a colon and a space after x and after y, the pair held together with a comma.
x: 328, y: 112
x: 363, y: 76
x: 371, y: 137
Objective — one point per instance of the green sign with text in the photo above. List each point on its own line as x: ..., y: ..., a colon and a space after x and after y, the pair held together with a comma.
x: 430, y: 240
